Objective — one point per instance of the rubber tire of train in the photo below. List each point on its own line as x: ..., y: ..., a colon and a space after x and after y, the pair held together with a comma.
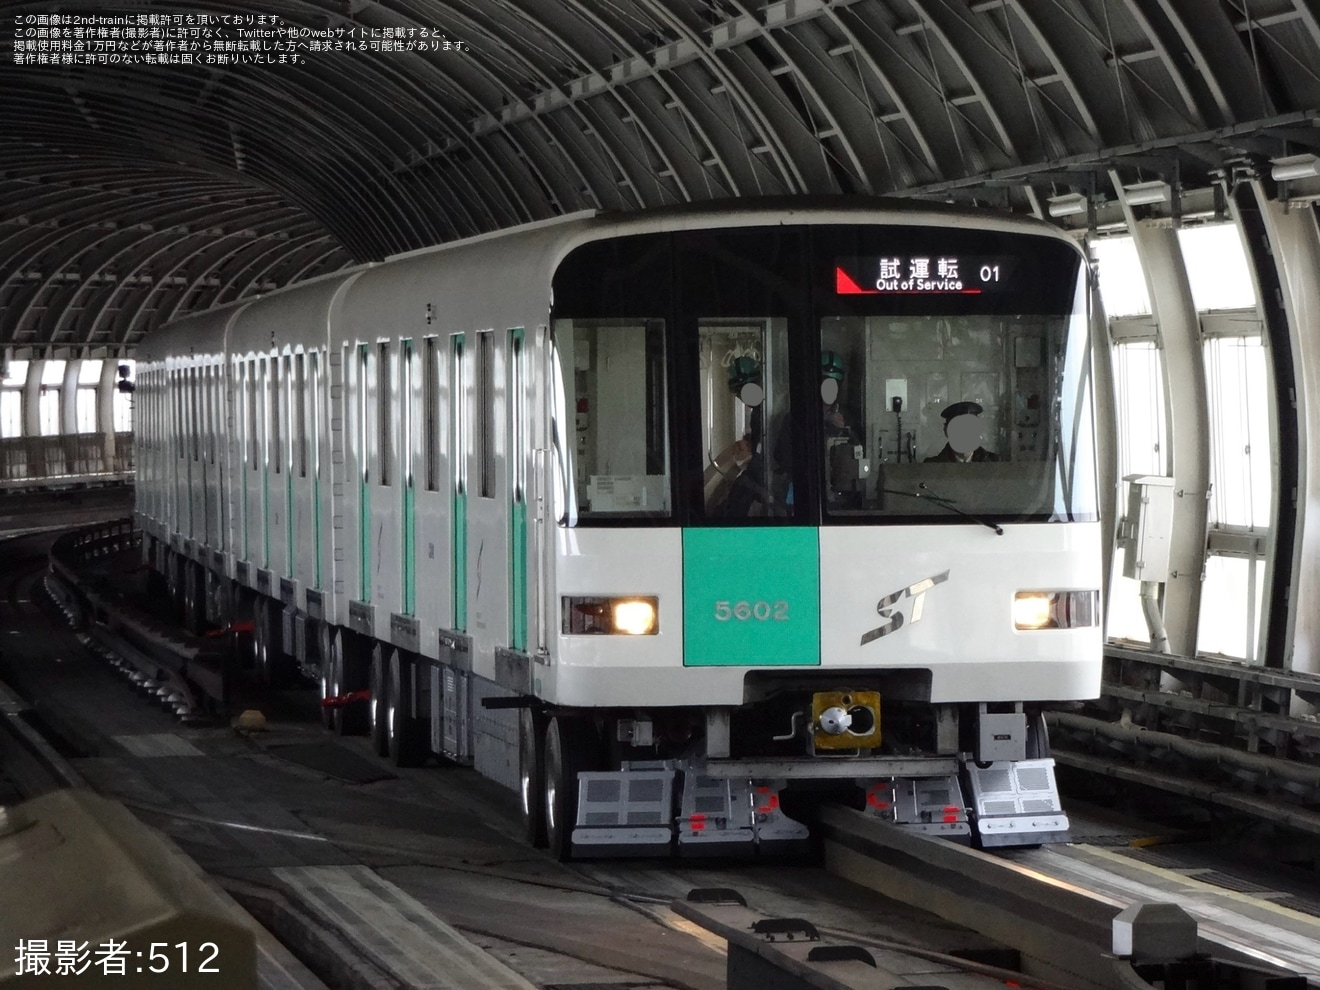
x: 381, y: 699
x: 329, y: 647
x: 350, y: 675
x: 1038, y: 737
x: 570, y: 748
x: 402, y: 730
x: 531, y: 775
x: 273, y: 667
x: 194, y: 604
x: 242, y: 610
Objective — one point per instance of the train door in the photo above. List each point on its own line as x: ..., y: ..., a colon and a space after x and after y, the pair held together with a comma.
x: 458, y: 372
x: 315, y: 414
x: 545, y: 403
x: 750, y: 577
x: 407, y: 478
x: 365, y: 396
x: 520, y: 458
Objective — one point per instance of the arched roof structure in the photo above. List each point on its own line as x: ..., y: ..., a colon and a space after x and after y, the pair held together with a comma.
x: 132, y: 193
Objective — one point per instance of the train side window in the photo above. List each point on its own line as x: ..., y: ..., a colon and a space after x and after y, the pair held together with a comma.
x: 486, y: 412
x: 384, y: 418
x: 363, y: 407
x: 406, y: 427
x: 278, y: 379
x: 249, y: 369
x: 208, y: 413
x: 314, y: 371
x: 195, y: 426
x: 431, y: 412
x: 458, y: 398
x: 300, y: 412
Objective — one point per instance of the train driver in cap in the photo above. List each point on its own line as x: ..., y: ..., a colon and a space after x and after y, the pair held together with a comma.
x: 962, y: 431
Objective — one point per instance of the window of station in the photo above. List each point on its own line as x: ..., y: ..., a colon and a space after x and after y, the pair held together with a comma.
x: 1240, y: 396
x: 614, y: 386
x: 1241, y: 484
x: 122, y: 403
x: 1217, y: 268
x: 48, y: 403
x: 11, y: 399
x: 89, y: 379
x: 1121, y: 278
x: 1142, y: 449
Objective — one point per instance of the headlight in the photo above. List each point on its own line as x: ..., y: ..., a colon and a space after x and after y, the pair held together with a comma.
x: 1031, y: 610
x: 1056, y: 609
x: 636, y: 617
x: 631, y: 616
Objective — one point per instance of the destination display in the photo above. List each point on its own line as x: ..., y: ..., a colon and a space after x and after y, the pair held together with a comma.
x: 924, y: 275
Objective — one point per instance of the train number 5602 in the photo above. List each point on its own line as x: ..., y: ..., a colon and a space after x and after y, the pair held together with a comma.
x: 760, y: 611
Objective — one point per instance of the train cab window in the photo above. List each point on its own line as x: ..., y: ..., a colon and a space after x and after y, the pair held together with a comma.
x: 746, y: 438
x: 614, y: 382
x: 930, y: 416
x: 954, y: 377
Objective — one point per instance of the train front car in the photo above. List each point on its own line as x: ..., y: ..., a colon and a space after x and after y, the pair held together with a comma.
x: 828, y: 517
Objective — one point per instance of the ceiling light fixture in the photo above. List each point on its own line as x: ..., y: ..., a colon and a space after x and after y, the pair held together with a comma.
x: 1146, y: 193
x: 1067, y: 205
x: 1295, y: 167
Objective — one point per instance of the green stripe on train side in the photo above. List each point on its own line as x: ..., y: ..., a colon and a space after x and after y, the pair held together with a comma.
x: 364, y: 489
x: 316, y: 528
x: 364, y: 540
x: 409, y: 548
x: 518, y: 575
x: 458, y: 577
x: 265, y: 514
x: 517, y: 495
x: 290, y: 531
x: 751, y: 597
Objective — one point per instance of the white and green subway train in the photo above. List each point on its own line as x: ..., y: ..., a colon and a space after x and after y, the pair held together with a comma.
x: 658, y: 518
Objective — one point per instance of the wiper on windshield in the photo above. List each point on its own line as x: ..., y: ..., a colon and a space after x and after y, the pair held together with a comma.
x: 944, y: 501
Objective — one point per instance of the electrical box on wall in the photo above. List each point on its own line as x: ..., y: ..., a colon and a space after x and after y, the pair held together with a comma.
x: 1146, y: 529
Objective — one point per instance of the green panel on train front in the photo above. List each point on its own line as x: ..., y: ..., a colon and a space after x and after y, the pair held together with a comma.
x: 751, y: 597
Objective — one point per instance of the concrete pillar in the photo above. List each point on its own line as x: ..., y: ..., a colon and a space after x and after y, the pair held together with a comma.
x: 69, y: 398
x: 1293, y: 250
x: 32, y: 399
x: 105, y: 407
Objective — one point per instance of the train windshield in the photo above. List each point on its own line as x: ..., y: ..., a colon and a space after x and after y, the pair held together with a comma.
x: 937, y: 415
x: 836, y: 375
